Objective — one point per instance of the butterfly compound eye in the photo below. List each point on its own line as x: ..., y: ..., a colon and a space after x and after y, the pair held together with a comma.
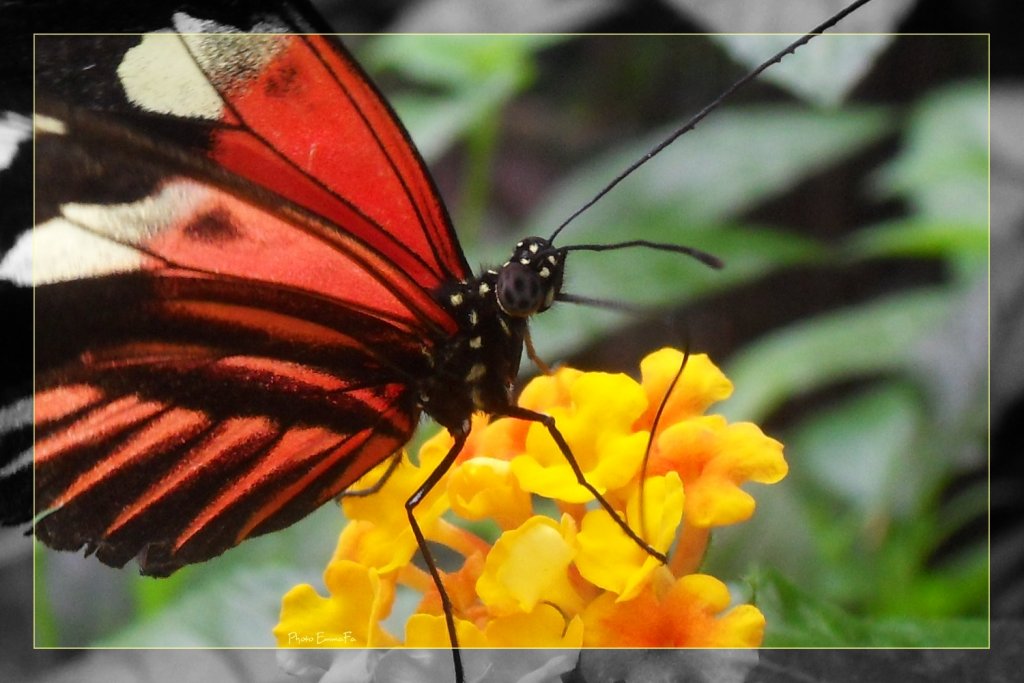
x: 520, y: 291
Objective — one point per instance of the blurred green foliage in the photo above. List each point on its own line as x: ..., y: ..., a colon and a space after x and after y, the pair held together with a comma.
x: 846, y: 550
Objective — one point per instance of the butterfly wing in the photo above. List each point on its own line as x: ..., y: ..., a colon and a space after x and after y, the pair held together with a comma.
x: 233, y: 303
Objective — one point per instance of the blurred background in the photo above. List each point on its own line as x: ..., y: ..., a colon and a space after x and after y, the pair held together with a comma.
x: 847, y: 192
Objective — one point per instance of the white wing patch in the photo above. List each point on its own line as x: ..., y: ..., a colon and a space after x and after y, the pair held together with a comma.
x: 16, y: 416
x: 16, y: 265
x: 160, y: 75
x: 90, y: 240
x: 234, y: 60
x: 171, y: 73
x: 184, y: 23
x: 64, y: 251
x: 47, y: 125
x: 14, y: 130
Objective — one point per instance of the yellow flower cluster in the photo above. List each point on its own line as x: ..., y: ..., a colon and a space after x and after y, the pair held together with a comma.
x: 572, y: 579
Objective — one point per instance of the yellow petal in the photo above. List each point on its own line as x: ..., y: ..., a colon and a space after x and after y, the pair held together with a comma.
x: 544, y: 626
x: 430, y: 630
x: 529, y: 565
x: 349, y: 617
x: 701, y: 385
x: 612, y: 560
x: 485, y: 487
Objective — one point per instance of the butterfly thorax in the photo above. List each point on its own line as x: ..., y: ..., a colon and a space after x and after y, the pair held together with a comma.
x: 476, y: 369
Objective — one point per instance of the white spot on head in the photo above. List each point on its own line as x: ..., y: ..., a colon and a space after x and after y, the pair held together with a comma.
x: 544, y: 272
x: 533, y: 248
x: 519, y: 245
x: 553, y: 260
x: 524, y: 261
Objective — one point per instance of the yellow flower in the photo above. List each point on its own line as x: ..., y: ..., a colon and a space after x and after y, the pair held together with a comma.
x: 701, y: 385
x: 540, y: 582
x: 484, y: 487
x: 386, y: 539
x: 613, y: 561
x: 349, y: 617
x: 691, y: 613
x: 543, y: 623
x: 714, y: 458
x: 529, y: 565
x: 599, y: 432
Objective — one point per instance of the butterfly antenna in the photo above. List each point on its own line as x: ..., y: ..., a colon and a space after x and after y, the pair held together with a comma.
x: 699, y: 116
x: 702, y: 256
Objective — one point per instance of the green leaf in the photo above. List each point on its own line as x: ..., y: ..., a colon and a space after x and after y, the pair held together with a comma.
x: 455, y: 61
x: 436, y: 123
x: 860, y: 450
x: 237, y: 610
x: 250, y: 580
x: 943, y: 170
x: 931, y: 633
x: 465, y: 81
x: 921, y: 237
x: 798, y: 619
x: 909, y: 581
x: 727, y: 165
x: 868, y: 339
x: 823, y: 72
x: 47, y: 628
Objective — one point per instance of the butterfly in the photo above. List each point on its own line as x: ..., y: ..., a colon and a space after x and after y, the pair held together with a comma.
x: 248, y: 291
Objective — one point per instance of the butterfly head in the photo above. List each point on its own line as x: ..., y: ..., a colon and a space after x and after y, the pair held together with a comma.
x: 529, y: 281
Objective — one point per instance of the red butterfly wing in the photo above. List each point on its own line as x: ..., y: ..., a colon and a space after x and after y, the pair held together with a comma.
x: 298, y: 116
x: 228, y: 339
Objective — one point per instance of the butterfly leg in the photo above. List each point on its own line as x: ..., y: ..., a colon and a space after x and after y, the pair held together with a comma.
x: 377, y: 485
x: 421, y: 541
x: 549, y: 423
x: 532, y: 354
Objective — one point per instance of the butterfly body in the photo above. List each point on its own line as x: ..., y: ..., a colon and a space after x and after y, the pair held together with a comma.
x: 476, y: 369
